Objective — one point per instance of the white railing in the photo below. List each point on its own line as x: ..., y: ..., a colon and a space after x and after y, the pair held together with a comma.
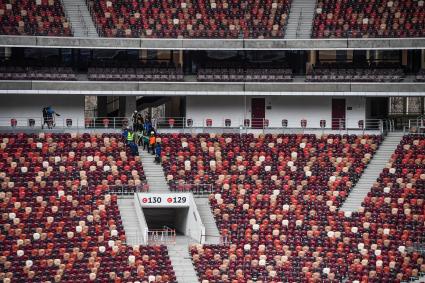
x: 205, y: 124
x: 161, y: 236
x: 417, y: 125
x: 39, y: 122
x: 339, y: 124
x: 196, y: 189
x: 223, y: 239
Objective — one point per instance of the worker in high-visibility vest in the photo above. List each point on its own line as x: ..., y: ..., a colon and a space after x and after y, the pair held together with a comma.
x: 130, y: 136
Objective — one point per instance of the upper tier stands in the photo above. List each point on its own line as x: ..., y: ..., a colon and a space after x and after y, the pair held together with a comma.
x: 33, y: 17
x: 356, y: 73
x: 59, y: 223
x: 379, y: 18
x: 277, y: 200
x: 191, y: 19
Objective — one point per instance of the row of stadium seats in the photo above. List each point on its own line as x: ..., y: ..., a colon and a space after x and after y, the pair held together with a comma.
x: 37, y: 73
x: 136, y: 74
x: 342, y: 73
x: 325, y: 73
x: 249, y: 73
x: 33, y: 17
x: 60, y: 224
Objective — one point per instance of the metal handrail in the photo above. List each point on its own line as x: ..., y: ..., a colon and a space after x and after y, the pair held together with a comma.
x: 196, y: 189
x: 299, y: 23
x: 224, y: 240
x: 161, y: 236
x: 63, y: 122
x: 341, y: 124
x: 83, y: 22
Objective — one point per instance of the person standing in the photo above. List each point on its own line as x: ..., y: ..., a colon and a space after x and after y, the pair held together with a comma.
x: 48, y: 117
x: 152, y: 140
x: 134, y: 120
x: 130, y: 136
x: 158, y: 150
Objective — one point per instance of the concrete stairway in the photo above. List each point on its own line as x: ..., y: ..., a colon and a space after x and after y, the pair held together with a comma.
x: 182, y: 261
x: 211, y: 230
x: 300, y: 19
x: 154, y: 173
x: 80, y: 18
x: 372, y: 172
x: 129, y: 221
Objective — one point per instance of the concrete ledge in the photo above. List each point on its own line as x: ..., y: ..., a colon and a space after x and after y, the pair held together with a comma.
x: 203, y: 88
x: 211, y: 44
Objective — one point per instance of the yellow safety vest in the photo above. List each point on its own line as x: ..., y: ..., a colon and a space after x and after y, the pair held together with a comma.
x: 130, y: 136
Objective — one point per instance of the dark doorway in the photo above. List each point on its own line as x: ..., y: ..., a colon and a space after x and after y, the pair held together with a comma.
x: 258, y: 109
x: 377, y: 108
x: 338, y: 114
x: 159, y: 218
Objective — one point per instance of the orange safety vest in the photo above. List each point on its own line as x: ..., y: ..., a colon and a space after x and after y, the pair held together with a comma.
x: 152, y: 140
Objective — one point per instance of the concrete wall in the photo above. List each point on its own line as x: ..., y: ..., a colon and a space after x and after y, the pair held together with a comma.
x: 209, y: 88
x: 312, y: 108
x: 217, y: 108
x: 211, y: 44
x: 29, y: 106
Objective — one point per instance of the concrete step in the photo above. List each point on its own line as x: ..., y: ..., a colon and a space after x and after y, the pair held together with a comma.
x: 154, y: 173
x: 181, y: 260
x: 129, y: 220
x: 371, y: 173
x: 80, y: 18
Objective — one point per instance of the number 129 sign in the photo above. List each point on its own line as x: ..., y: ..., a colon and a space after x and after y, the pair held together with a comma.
x: 164, y: 200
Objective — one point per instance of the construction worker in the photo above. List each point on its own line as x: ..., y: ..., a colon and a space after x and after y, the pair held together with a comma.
x: 152, y: 141
x: 130, y: 136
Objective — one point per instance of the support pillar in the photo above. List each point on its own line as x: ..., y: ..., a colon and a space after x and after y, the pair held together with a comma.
x: 422, y: 59
x: 312, y: 57
x: 404, y: 57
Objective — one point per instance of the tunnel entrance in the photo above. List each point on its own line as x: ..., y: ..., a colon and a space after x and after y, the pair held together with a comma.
x: 172, y: 218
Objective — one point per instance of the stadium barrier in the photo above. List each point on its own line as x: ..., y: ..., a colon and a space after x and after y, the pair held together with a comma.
x: 196, y: 189
x: 189, y: 125
x: 161, y: 236
x: 416, y: 126
x: 206, y: 124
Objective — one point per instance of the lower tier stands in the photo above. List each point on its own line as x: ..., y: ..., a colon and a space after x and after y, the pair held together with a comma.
x: 33, y: 17
x: 293, y: 232
x: 59, y: 223
x: 191, y: 19
x: 352, y: 18
x: 344, y: 73
x: 37, y: 73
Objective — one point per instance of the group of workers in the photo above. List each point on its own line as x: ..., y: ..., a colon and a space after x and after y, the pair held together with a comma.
x: 143, y: 134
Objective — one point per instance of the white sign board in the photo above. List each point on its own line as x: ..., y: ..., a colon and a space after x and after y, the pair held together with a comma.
x: 164, y: 200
